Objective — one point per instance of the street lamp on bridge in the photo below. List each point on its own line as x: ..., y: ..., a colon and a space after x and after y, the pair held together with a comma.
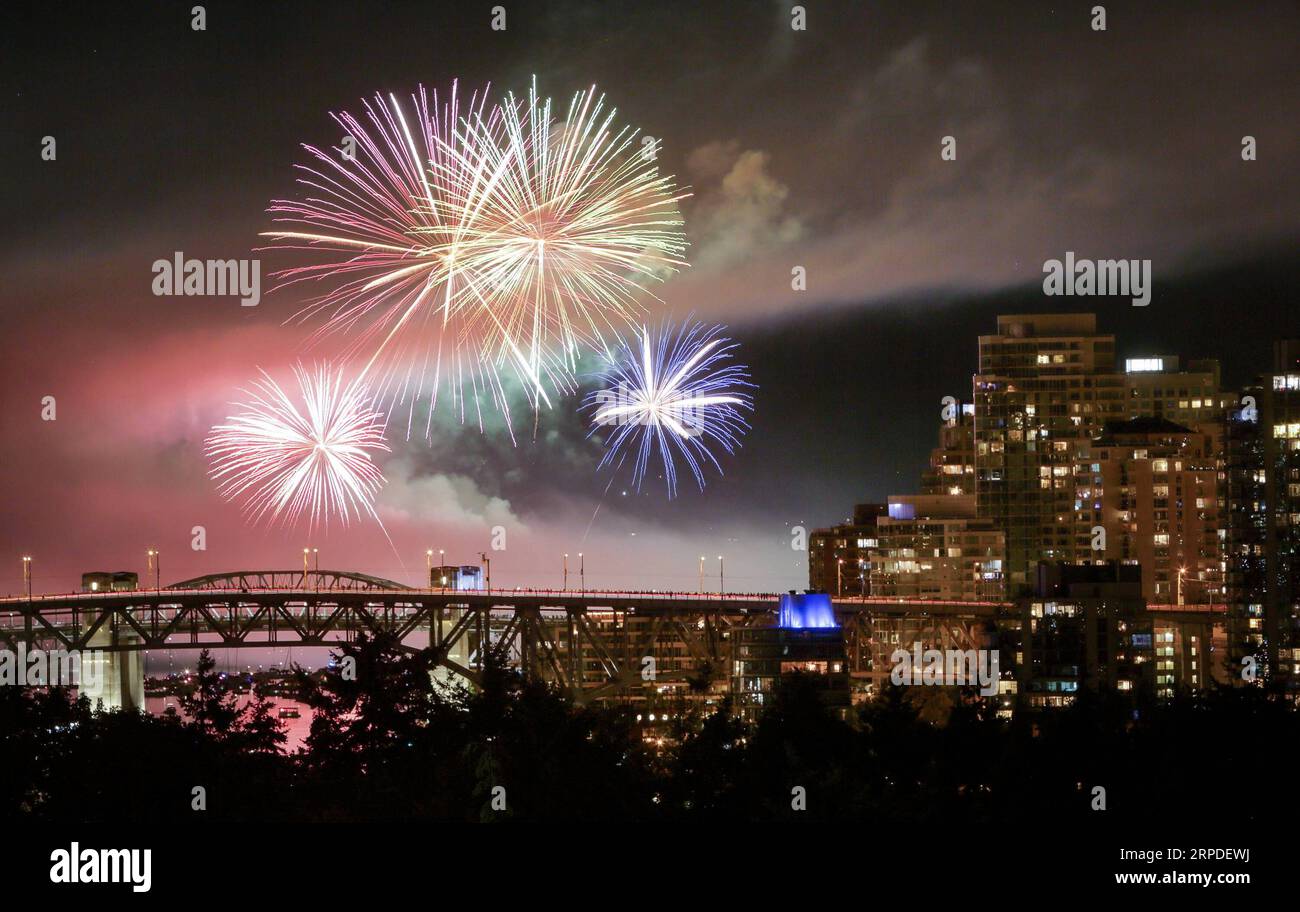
x: 701, y: 574
x: 1182, y: 574
x: 315, y: 552
x: 722, y: 579
x: 27, y: 576
x: 566, y: 572
x: 155, y: 565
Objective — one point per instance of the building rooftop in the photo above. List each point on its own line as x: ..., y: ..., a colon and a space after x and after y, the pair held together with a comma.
x: 1050, y: 325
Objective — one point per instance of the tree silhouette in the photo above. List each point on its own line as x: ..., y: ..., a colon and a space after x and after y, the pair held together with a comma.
x: 211, y: 705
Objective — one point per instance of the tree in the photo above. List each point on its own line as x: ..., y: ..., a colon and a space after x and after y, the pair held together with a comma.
x: 211, y: 705
x: 259, y: 731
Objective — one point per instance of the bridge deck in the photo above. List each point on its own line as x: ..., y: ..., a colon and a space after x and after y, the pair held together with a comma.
x: 475, y: 598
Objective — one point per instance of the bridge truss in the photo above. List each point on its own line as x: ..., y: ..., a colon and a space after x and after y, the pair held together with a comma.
x: 592, y: 644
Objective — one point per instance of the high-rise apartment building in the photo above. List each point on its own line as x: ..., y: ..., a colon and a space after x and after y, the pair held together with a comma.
x: 1245, y: 520
x: 1046, y: 385
x: 1262, y: 478
x: 1147, y: 493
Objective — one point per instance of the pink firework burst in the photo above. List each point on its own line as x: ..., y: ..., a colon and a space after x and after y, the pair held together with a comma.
x: 288, y: 458
x: 387, y: 212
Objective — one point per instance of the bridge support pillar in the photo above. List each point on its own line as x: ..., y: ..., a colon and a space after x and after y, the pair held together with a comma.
x: 444, y: 623
x: 118, y: 677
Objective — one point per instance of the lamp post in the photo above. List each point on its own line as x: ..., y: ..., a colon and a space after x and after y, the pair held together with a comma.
x: 701, y: 574
x: 839, y: 578
x: 582, y: 573
x: 1181, y: 573
x: 428, y: 563
x: 722, y: 577
x: 487, y: 563
x: 27, y: 576
x: 305, y: 552
x: 154, y: 565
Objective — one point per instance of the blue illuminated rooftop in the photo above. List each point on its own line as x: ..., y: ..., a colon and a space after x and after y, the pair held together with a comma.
x: 809, y: 611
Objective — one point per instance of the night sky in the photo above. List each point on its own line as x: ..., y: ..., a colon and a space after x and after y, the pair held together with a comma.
x: 817, y: 148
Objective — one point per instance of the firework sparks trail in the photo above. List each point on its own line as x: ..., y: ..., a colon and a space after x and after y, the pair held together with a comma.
x: 288, y: 458
x: 677, y: 396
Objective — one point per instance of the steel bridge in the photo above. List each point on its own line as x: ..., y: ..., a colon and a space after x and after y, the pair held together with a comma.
x: 591, y: 643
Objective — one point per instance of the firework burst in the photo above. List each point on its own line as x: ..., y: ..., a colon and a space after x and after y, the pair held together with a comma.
x: 288, y: 458
x: 674, y: 397
x: 461, y: 242
x: 578, y: 224
x: 388, y: 215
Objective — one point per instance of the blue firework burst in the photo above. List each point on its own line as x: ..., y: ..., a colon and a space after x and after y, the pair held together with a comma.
x: 677, y: 396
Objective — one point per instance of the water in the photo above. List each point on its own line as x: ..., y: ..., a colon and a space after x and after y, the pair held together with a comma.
x: 296, y: 729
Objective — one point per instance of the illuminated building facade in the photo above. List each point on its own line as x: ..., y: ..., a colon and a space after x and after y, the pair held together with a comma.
x: 1281, y: 423
x: 1152, y: 487
x: 1046, y: 384
x: 459, y: 578
x: 934, y: 546
x: 802, y: 643
x: 837, y: 556
x: 1191, y: 647
x: 1262, y: 475
x: 952, y: 462
x: 1262, y: 521
x: 1084, y: 627
x: 1157, y: 388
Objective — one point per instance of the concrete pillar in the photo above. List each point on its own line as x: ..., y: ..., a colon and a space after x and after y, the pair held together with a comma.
x: 118, y: 676
x: 458, y: 653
